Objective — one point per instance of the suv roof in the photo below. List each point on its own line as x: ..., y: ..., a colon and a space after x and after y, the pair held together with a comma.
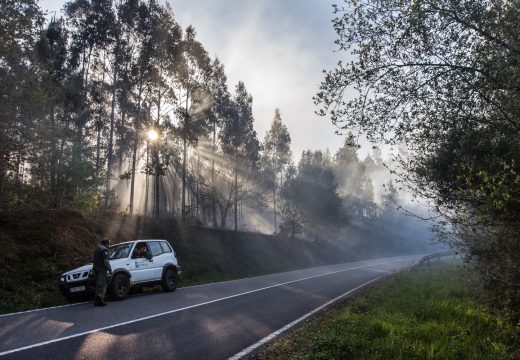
x: 133, y: 241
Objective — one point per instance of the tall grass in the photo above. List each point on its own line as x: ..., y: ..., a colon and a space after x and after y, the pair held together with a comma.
x: 430, y: 313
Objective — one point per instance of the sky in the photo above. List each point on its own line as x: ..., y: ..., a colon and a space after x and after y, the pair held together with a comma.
x: 278, y: 48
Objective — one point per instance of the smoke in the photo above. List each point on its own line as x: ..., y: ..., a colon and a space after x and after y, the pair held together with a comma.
x: 203, y: 101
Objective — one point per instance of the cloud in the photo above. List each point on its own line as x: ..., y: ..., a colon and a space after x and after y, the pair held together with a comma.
x: 278, y: 49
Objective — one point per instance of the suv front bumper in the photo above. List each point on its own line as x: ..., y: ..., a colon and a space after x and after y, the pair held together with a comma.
x: 78, y: 288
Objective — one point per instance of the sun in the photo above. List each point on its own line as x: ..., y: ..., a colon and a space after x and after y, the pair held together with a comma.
x: 152, y: 135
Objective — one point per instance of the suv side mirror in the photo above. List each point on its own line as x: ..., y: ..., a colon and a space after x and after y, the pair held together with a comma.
x: 149, y: 256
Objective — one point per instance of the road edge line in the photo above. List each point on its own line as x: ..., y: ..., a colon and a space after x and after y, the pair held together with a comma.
x: 278, y: 332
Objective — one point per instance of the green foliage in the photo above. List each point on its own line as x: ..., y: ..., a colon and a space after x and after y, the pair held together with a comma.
x: 238, y: 137
x: 277, y: 145
x: 442, y: 77
x: 314, y: 188
x: 293, y: 219
x: 89, y: 202
x: 430, y: 313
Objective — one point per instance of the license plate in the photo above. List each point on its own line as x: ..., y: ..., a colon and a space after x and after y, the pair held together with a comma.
x: 77, y: 288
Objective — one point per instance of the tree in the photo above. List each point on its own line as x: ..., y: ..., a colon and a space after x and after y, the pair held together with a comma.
x: 52, y: 53
x: 442, y: 78
x: 347, y: 169
x: 277, y: 153
x: 221, y: 100
x: 142, y: 71
x: 368, y: 191
x: 167, y: 35
x: 390, y: 199
x: 314, y: 188
x: 18, y: 34
x: 193, y: 73
x: 239, y: 141
x: 293, y: 218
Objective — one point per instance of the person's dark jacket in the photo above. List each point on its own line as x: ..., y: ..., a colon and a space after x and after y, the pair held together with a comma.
x: 100, y: 259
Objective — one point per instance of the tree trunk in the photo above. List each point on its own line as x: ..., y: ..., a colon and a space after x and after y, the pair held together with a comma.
x: 293, y: 228
x: 157, y: 200
x: 121, y: 141
x: 112, y: 123
x: 157, y: 194
x: 184, y: 149
x: 134, y: 153
x: 274, y: 203
x: 146, y: 184
x: 183, y: 196
x: 98, y: 146
x: 58, y: 198
x: 213, y: 188
x: 174, y: 189
x: 223, y: 216
x: 54, y: 156
x: 236, y: 198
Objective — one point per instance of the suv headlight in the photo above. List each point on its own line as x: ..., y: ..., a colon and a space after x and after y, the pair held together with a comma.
x: 62, y: 279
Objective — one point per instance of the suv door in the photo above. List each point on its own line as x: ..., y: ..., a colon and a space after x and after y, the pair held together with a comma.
x: 159, y: 257
x: 141, y: 268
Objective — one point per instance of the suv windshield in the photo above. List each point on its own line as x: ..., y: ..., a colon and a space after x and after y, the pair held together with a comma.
x: 119, y: 251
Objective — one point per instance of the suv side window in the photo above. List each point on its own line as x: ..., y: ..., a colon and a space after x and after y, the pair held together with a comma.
x: 155, y: 248
x: 166, y: 247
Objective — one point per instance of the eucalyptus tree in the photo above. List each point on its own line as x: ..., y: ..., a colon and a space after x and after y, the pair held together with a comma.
x: 193, y: 73
x: 126, y: 82
x: 239, y: 141
x: 21, y: 22
x: 142, y: 68
x: 90, y: 23
x: 52, y: 56
x: 166, y: 64
x: 442, y: 76
x: 119, y: 25
x: 221, y: 100
x: 277, y: 154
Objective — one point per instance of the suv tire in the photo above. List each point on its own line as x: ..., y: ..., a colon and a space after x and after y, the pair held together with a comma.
x: 169, y: 280
x: 120, y: 287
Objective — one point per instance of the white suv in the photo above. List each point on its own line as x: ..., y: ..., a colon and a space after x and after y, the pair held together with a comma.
x: 130, y: 268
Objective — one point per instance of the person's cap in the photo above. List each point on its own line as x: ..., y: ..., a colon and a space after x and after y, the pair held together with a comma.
x: 105, y: 241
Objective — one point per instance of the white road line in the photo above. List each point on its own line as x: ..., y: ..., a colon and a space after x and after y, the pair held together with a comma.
x: 185, y: 308
x: 297, y: 321
x: 60, y: 306
x: 46, y: 308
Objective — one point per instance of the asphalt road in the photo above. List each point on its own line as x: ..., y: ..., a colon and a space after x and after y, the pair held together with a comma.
x: 213, y: 321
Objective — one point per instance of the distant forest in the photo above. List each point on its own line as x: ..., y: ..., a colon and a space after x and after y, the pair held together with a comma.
x: 112, y: 105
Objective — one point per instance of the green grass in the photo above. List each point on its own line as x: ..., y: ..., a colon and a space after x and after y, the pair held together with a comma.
x: 432, y: 312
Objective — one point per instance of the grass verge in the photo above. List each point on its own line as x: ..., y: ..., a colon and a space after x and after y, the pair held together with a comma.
x: 432, y: 312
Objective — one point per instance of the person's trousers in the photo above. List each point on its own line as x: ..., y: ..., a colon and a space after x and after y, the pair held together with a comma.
x: 101, y: 284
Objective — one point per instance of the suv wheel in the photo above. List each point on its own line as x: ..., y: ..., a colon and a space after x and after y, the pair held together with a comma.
x: 169, y: 280
x: 120, y: 287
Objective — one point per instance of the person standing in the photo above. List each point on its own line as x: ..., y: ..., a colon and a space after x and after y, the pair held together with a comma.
x: 101, y: 266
